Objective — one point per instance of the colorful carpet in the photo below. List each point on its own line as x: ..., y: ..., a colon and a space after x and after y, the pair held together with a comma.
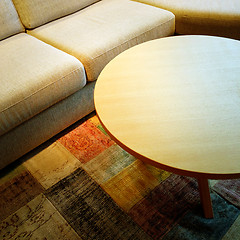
x: 82, y: 185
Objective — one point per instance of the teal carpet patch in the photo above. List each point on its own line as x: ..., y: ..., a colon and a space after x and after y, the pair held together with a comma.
x: 194, y: 226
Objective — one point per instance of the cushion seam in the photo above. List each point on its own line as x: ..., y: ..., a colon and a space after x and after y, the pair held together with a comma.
x: 14, y: 104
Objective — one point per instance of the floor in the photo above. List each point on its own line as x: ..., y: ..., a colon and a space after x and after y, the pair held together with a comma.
x: 82, y: 185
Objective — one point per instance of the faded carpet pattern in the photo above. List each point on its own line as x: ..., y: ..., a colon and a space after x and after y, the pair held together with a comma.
x: 82, y: 185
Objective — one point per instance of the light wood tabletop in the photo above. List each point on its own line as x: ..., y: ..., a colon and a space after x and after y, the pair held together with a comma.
x: 175, y: 103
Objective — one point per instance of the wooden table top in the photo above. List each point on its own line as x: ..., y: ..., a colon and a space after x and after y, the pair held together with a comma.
x: 175, y: 103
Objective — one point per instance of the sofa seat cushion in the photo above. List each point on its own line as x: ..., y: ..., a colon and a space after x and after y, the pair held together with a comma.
x: 34, y: 13
x: 34, y: 76
x: 98, y: 33
x: 9, y: 21
x: 218, y: 17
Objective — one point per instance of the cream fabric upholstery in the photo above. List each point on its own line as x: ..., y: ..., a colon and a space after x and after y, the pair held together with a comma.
x: 45, y: 125
x: 34, y: 76
x: 9, y: 20
x: 211, y: 17
x: 98, y: 33
x: 34, y: 13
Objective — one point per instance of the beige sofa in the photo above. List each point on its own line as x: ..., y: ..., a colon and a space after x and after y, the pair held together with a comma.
x: 208, y: 17
x: 51, y: 53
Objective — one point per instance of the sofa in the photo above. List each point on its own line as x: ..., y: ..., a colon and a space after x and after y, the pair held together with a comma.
x: 216, y: 18
x: 51, y: 53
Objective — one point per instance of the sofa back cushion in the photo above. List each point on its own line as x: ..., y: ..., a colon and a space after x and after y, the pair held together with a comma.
x: 9, y: 21
x: 34, y: 13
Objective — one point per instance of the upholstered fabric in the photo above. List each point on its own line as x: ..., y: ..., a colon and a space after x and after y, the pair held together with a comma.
x: 34, y: 76
x: 101, y: 31
x: 45, y: 125
x: 218, y: 17
x: 34, y: 13
x: 9, y: 21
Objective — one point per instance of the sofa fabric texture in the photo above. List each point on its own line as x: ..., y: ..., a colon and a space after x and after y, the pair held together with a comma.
x: 34, y: 13
x: 10, y: 23
x: 218, y: 17
x: 34, y: 76
x: 25, y: 137
x: 95, y: 38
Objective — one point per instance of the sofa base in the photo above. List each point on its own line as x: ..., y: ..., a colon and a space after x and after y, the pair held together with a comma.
x: 45, y: 125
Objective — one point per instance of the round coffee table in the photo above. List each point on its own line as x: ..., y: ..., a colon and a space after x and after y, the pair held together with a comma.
x: 175, y: 103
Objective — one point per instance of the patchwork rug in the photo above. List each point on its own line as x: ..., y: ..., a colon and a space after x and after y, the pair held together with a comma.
x: 82, y: 185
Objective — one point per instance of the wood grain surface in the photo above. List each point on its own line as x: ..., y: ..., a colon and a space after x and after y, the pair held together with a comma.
x: 175, y: 103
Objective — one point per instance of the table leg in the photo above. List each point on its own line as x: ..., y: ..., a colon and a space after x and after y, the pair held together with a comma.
x: 205, y: 197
